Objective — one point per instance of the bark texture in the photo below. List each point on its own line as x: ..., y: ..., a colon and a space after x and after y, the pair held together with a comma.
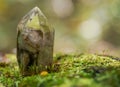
x: 35, y: 38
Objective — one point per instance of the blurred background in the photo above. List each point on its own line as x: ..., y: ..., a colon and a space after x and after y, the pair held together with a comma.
x: 80, y: 25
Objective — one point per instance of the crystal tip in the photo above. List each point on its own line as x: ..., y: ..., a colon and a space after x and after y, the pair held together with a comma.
x: 36, y: 8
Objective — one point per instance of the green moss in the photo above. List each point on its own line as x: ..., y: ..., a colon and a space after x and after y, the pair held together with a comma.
x: 86, y: 61
x: 84, y: 70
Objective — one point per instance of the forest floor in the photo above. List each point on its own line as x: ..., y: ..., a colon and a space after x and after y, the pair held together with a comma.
x: 83, y: 70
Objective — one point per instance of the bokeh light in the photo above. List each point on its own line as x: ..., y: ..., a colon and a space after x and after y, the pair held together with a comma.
x: 78, y: 24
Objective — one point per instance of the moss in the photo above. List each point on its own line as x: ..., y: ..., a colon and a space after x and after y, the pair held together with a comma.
x: 84, y: 70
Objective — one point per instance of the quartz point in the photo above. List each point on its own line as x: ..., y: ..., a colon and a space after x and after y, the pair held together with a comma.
x: 35, y: 39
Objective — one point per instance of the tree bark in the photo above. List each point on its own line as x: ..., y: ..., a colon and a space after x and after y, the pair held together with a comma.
x: 35, y: 38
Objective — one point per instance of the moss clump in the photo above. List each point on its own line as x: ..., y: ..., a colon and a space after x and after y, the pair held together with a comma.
x: 89, y: 62
x: 84, y: 70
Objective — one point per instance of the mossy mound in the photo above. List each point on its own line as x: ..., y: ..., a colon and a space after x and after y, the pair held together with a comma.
x: 84, y: 70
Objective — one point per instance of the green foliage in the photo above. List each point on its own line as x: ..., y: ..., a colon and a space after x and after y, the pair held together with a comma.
x: 84, y: 70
